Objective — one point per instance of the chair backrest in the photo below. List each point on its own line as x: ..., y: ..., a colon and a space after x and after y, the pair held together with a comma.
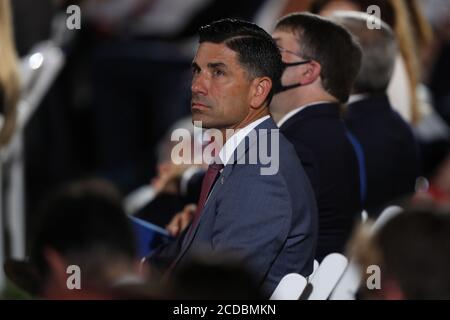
x: 316, y: 266
x: 364, y: 216
x: 327, y: 276
x: 348, y: 285
x: 290, y: 287
x: 350, y: 281
x: 385, y: 216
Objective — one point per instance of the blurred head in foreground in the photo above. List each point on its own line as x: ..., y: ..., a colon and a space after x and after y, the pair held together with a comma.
x: 84, y: 245
x: 412, y: 253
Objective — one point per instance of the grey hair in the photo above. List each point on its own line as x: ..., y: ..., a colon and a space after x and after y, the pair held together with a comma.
x: 379, y: 46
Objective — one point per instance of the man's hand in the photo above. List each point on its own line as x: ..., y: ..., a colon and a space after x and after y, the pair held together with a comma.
x: 167, y: 179
x: 181, y: 220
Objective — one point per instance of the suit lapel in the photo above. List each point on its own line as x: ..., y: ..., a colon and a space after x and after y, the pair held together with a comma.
x: 221, y: 181
x: 208, y: 206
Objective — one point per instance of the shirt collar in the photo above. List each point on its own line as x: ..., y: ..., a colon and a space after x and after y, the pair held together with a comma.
x: 292, y: 113
x: 232, y: 143
x: 357, y: 97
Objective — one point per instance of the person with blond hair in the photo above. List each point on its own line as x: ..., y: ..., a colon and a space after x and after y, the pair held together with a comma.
x: 9, y: 76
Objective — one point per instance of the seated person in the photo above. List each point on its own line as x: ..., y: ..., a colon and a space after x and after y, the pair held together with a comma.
x: 83, y: 229
x: 391, y: 154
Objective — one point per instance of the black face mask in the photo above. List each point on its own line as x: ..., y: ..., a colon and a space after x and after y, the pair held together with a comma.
x: 279, y: 87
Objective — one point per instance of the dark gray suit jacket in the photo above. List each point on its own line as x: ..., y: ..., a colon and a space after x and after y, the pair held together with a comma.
x: 269, y: 222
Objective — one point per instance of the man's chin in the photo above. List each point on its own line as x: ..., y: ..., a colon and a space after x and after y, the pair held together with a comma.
x: 199, y: 121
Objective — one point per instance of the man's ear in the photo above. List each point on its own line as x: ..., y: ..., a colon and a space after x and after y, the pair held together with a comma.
x: 261, y: 87
x: 310, y: 73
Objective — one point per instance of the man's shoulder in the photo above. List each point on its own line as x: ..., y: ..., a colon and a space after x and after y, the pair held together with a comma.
x: 317, y: 133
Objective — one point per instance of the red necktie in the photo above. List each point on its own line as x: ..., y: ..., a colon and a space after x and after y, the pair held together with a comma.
x: 208, y: 181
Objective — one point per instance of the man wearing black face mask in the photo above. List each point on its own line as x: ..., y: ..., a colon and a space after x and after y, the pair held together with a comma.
x: 321, y: 62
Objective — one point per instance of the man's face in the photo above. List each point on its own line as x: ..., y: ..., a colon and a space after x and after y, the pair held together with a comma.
x: 220, y: 87
x: 290, y: 53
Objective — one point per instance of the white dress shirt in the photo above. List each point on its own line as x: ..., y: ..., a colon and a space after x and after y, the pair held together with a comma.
x: 232, y: 143
x: 292, y: 113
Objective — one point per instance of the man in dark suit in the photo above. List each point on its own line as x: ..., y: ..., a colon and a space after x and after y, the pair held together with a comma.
x: 390, y: 150
x: 262, y: 213
x: 321, y: 62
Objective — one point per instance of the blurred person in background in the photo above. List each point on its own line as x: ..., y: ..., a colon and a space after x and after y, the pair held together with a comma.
x: 412, y: 252
x: 83, y: 224
x: 176, y: 184
x: 214, y: 277
x: 391, y: 153
x: 9, y: 75
x: 407, y: 91
x: 413, y: 34
x: 321, y: 63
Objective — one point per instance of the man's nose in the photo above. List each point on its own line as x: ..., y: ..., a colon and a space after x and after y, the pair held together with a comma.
x: 199, y: 85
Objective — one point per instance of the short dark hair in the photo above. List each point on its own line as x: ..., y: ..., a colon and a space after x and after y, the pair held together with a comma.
x: 330, y: 45
x: 84, y: 221
x: 257, y: 51
x: 215, y: 276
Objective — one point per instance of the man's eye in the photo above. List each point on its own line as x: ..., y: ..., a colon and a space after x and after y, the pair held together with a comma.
x: 195, y: 70
x: 218, y: 73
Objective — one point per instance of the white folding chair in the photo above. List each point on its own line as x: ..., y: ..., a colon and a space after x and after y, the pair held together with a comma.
x: 385, y: 216
x: 38, y: 71
x: 327, y: 276
x: 348, y: 285
x: 364, y: 216
x: 316, y: 266
x: 138, y: 199
x: 290, y: 287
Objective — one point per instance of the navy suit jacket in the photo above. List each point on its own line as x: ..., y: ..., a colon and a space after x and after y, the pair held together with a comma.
x: 319, y: 136
x: 269, y: 222
x: 390, y: 151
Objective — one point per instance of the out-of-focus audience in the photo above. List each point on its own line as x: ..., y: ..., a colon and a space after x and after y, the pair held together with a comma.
x: 409, y: 90
x: 391, y: 154
x: 410, y: 28
x: 215, y: 277
x: 175, y: 185
x: 321, y: 63
x: 81, y: 225
x: 411, y: 251
x: 9, y: 75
